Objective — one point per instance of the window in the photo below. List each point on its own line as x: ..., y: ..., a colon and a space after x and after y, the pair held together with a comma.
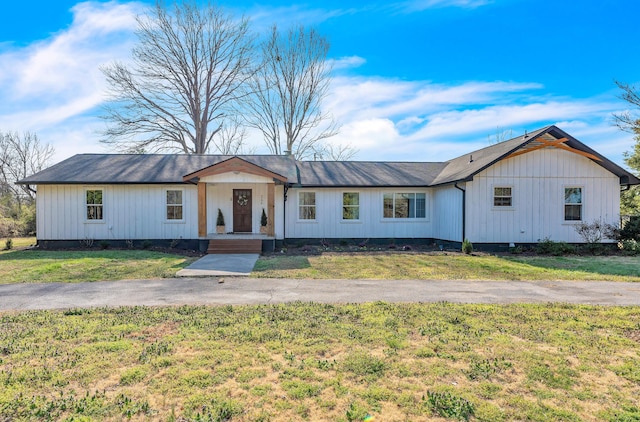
x: 404, y: 205
x: 94, y: 204
x: 174, y: 205
x: 307, y: 205
x: 351, y: 206
x: 572, y: 204
x: 502, y: 197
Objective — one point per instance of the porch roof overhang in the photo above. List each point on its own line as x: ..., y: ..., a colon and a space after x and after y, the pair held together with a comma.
x: 233, y: 164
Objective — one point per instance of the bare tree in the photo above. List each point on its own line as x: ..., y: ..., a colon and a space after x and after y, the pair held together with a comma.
x: 339, y: 152
x: 184, y: 81
x: 500, y: 135
x: 629, y: 121
x: 287, y: 92
x: 21, y: 156
x: 231, y: 138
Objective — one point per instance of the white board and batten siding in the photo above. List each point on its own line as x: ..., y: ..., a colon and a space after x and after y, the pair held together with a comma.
x: 129, y: 212
x: 538, y: 180
x: 447, y: 213
x: 329, y: 223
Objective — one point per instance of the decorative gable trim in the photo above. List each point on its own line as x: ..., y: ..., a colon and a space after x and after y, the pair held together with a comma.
x: 541, y: 143
x: 233, y: 164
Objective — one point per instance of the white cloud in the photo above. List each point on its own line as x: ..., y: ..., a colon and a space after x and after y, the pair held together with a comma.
x: 421, y: 120
x: 54, y: 80
x: 349, y: 62
x: 421, y: 5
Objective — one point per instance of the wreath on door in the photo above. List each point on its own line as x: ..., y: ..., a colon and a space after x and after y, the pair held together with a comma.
x: 242, y: 200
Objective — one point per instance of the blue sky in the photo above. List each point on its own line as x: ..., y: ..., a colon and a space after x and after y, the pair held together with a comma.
x: 413, y: 80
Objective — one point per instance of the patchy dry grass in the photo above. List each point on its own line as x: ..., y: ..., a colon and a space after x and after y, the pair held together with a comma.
x: 36, y: 266
x: 322, y: 362
x: 447, y: 266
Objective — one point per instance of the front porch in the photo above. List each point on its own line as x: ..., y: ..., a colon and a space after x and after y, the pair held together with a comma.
x: 240, y: 192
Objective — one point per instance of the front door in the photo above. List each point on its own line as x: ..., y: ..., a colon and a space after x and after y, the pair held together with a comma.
x: 242, y: 210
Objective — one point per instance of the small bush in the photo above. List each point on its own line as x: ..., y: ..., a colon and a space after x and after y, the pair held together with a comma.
x: 104, y: 244
x: 632, y: 247
x: 594, y: 232
x: 220, y: 219
x: 448, y: 405
x: 8, y: 244
x: 467, y: 247
x: 631, y: 229
x: 549, y: 247
x: 263, y: 219
x: 146, y: 244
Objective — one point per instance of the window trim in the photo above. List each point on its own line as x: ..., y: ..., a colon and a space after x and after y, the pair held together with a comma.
x: 350, y: 220
x: 494, y: 196
x: 564, y: 204
x: 315, y: 207
x: 167, y: 205
x: 85, y: 207
x: 405, y: 219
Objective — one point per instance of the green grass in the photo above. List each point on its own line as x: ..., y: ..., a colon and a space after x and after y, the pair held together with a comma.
x: 36, y: 266
x: 448, y: 266
x: 322, y: 362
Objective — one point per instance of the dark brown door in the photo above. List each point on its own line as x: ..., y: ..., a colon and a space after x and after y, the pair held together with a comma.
x: 242, y: 210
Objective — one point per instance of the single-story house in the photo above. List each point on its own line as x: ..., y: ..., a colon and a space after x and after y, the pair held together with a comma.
x: 535, y: 186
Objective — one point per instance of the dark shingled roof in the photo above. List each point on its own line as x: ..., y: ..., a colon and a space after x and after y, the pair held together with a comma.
x: 363, y: 173
x: 147, y: 168
x: 159, y: 168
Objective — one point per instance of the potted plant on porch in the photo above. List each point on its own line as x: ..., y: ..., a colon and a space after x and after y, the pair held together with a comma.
x: 220, y: 223
x: 263, y: 223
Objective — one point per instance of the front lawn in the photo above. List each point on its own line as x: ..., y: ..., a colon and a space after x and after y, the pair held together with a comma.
x: 40, y: 266
x: 447, y: 266
x: 320, y: 362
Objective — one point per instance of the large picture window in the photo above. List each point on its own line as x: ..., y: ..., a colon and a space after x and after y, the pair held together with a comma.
x: 350, y: 206
x: 404, y: 205
x: 572, y: 204
x: 174, y: 205
x: 94, y: 204
x: 307, y: 205
x: 502, y: 197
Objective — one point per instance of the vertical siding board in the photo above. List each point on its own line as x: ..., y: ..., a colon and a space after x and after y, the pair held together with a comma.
x: 539, y: 178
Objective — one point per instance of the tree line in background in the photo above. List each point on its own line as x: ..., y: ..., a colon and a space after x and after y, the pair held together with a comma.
x: 629, y: 121
x: 21, y: 155
x: 199, y: 78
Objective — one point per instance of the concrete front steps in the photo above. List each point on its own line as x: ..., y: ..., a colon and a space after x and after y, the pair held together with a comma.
x: 234, y: 246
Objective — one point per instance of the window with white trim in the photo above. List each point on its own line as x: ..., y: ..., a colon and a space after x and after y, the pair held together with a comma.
x: 306, y: 205
x: 404, y: 205
x: 174, y: 204
x: 94, y: 204
x: 573, y: 204
x: 351, y: 206
x: 502, y: 197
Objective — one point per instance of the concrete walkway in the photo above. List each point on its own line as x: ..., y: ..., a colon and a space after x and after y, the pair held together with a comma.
x: 237, y: 291
x: 214, y: 265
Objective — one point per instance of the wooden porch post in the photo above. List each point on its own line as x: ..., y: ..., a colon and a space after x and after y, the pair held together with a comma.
x: 271, y: 187
x: 202, y: 209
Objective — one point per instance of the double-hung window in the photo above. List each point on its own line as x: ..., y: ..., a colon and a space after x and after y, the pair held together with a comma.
x: 307, y: 205
x: 94, y: 204
x: 404, y: 205
x: 350, y: 206
x: 174, y: 205
x: 502, y: 197
x: 573, y: 204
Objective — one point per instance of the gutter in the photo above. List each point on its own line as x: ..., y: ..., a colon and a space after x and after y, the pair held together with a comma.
x: 464, y: 208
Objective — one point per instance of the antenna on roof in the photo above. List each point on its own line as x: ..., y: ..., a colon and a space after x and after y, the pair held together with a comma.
x: 470, y: 158
x: 525, y: 134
